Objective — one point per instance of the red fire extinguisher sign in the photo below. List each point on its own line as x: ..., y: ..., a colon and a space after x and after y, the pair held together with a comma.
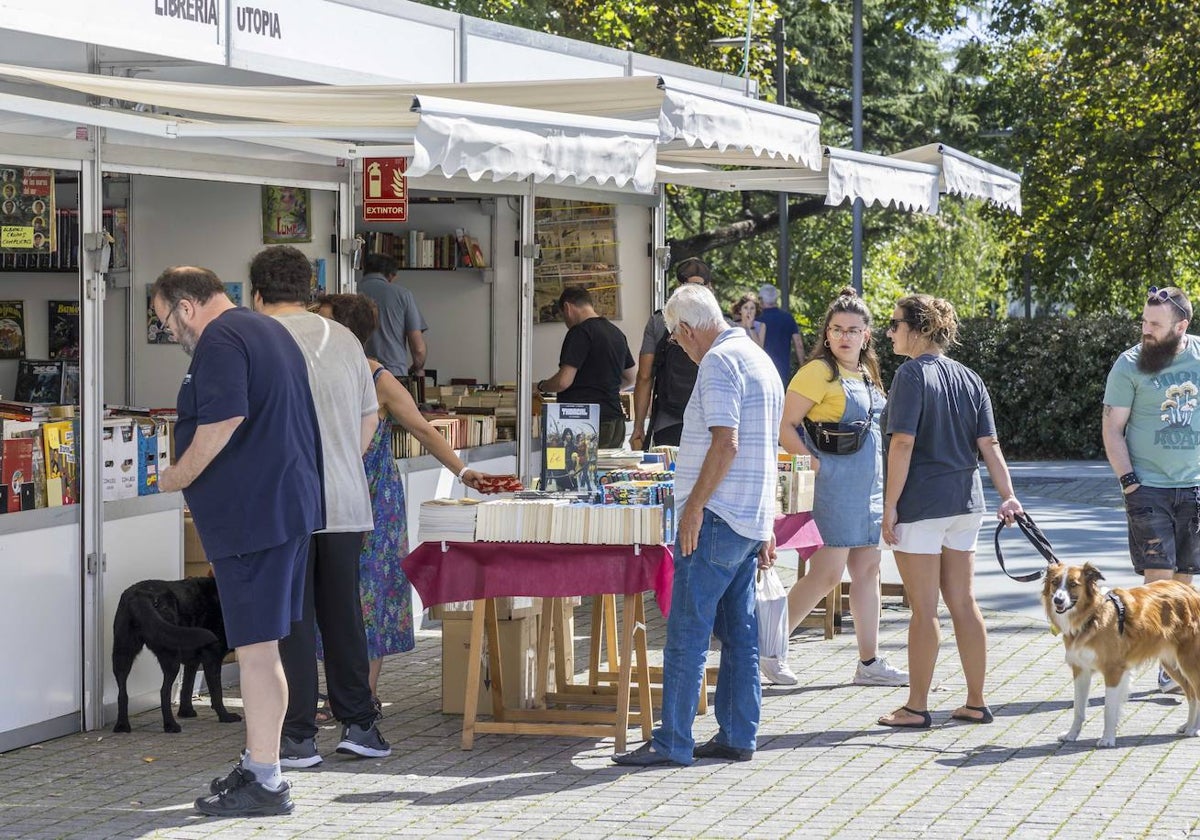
x: 384, y: 190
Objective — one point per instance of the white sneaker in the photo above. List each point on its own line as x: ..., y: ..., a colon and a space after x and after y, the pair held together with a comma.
x: 879, y: 672
x: 1167, y: 685
x: 777, y: 671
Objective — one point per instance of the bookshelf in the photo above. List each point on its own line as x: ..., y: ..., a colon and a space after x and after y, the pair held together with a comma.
x: 443, y: 234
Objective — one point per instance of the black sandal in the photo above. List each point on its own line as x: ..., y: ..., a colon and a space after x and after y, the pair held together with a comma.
x: 985, y: 715
x: 324, y: 712
x: 925, y: 723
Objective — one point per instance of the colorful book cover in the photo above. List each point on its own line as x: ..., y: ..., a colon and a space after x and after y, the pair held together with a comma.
x: 58, y: 438
x: 39, y: 381
x: 17, y: 470
x: 570, y: 442
x: 317, y: 285
x: 12, y: 329
x: 147, y: 443
x: 64, y: 329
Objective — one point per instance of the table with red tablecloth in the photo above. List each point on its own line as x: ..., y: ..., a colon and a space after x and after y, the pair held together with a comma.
x: 798, y: 531
x: 442, y: 572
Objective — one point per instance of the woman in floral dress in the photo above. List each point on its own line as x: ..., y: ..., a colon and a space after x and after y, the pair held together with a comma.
x: 385, y: 591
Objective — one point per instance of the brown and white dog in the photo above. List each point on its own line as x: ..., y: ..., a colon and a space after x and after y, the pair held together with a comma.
x: 1111, y: 631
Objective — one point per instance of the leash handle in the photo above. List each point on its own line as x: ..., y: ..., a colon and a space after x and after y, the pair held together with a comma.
x: 1035, y: 536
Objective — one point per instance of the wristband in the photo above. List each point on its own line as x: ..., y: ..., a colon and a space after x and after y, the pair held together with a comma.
x: 1129, y: 479
x: 461, y: 473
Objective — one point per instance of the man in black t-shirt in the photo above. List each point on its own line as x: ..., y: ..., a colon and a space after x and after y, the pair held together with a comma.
x: 594, y: 364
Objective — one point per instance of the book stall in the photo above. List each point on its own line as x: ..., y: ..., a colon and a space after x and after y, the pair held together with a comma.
x: 96, y: 201
x: 601, y: 525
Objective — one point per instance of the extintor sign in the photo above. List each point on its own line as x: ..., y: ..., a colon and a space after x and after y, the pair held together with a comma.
x: 385, y: 190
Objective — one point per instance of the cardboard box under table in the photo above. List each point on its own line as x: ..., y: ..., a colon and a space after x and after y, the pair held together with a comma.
x: 483, y: 572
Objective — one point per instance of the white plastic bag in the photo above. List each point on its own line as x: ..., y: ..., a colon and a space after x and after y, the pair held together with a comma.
x: 771, y: 605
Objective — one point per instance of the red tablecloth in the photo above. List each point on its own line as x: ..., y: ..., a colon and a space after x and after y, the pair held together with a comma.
x: 798, y: 531
x: 466, y: 571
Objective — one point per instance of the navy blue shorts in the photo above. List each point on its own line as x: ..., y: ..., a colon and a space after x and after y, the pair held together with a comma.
x: 262, y: 593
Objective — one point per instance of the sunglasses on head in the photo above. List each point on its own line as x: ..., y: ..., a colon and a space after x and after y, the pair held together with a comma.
x: 1157, y: 295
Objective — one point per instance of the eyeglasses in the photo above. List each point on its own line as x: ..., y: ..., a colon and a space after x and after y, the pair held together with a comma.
x: 853, y: 332
x: 166, y: 321
x: 894, y: 323
x: 1157, y: 295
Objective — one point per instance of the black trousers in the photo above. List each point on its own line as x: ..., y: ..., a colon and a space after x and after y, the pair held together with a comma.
x: 667, y: 436
x: 331, y: 601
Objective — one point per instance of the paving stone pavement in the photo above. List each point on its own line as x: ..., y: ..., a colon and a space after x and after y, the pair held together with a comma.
x: 823, y: 768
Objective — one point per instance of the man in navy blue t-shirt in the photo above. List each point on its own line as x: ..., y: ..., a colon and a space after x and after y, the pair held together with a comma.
x: 248, y: 460
x: 783, y: 334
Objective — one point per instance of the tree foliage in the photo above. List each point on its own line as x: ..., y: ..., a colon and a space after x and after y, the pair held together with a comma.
x: 912, y: 94
x: 1102, y: 99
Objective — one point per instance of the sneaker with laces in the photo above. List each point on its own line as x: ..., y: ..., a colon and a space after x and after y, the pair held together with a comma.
x: 777, y: 671
x: 298, y: 752
x: 218, y: 784
x: 363, y: 741
x: 242, y: 796
x: 1167, y: 685
x: 879, y: 672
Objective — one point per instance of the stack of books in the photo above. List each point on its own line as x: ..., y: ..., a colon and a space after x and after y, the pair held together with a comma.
x: 797, y: 481
x: 558, y: 520
x: 449, y: 520
x: 518, y: 520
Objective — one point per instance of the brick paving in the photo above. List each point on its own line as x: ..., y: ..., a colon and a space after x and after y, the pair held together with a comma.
x: 823, y: 767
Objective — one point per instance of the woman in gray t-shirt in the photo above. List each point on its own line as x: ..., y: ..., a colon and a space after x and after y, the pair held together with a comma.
x: 939, y: 417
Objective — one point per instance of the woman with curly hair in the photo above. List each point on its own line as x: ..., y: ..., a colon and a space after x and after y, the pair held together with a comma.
x: 745, y: 315
x: 831, y: 412
x: 939, y: 421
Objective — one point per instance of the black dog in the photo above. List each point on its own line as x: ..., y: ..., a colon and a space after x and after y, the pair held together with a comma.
x: 180, y: 621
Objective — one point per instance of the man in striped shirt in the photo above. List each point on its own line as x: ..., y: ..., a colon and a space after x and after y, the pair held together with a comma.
x: 725, y: 477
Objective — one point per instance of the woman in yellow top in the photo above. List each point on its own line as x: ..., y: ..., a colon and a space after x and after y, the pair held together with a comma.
x: 831, y: 412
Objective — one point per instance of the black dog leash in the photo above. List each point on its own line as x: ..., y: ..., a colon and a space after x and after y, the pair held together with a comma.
x: 1035, y: 536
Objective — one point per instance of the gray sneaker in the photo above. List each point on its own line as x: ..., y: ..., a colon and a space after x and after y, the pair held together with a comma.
x: 362, y: 741
x: 298, y: 753
x: 1167, y: 685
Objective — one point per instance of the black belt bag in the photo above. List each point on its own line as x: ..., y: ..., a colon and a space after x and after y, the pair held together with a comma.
x: 837, y: 438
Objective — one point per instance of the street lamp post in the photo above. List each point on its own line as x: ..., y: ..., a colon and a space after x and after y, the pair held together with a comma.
x: 856, y: 244
x: 785, y: 253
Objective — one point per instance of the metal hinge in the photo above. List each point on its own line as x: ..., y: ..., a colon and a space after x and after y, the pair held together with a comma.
x: 91, y: 563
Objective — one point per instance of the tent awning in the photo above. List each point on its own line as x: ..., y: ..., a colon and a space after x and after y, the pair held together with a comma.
x: 497, y: 142
x: 695, y: 124
x: 969, y: 176
x: 844, y: 176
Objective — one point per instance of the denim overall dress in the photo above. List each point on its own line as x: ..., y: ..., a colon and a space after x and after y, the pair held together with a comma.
x: 848, y: 497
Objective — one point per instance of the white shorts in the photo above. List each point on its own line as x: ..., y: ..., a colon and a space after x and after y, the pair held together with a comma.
x: 930, y: 536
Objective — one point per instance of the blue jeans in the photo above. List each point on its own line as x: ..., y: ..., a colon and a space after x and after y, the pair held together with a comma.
x: 713, y: 593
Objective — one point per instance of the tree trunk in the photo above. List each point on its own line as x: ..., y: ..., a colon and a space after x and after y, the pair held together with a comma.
x: 731, y: 234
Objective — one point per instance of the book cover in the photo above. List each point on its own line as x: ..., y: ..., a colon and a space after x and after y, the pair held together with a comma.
x: 317, y: 283
x: 234, y: 293
x: 17, y: 470
x: 39, y: 381
x: 58, y: 438
x: 12, y: 329
x: 570, y: 437
x: 70, y: 384
x: 64, y: 329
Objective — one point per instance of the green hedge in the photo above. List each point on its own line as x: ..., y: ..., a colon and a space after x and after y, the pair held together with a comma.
x: 1046, y: 377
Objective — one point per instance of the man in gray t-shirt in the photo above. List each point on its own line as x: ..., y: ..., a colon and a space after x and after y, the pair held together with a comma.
x: 399, y: 343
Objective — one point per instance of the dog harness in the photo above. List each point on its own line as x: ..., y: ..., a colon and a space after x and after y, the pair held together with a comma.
x: 1120, y: 605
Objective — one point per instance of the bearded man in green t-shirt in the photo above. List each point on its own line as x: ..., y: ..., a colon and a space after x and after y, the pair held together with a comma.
x: 1152, y: 442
